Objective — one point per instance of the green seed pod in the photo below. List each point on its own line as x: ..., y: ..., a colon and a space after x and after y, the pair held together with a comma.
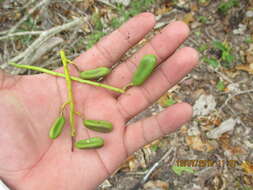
x: 93, y: 142
x: 98, y: 125
x: 144, y: 69
x: 57, y: 127
x: 95, y: 73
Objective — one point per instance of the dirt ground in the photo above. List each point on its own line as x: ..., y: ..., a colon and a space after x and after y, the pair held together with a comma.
x: 212, y: 151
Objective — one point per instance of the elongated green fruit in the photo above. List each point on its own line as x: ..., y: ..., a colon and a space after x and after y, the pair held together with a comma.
x: 93, y: 142
x: 98, y: 125
x: 57, y: 127
x: 144, y: 69
x: 95, y: 73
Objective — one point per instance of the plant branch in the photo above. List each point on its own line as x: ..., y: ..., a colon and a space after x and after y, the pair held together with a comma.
x: 43, y: 70
x: 20, y: 34
x: 70, y: 94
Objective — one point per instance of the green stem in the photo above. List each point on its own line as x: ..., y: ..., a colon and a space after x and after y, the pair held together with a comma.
x: 70, y: 94
x: 43, y: 70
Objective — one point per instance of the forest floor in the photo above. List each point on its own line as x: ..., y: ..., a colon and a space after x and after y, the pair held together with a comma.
x: 212, y: 151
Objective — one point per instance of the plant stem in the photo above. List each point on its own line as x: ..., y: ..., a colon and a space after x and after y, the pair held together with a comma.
x: 43, y: 70
x: 70, y: 94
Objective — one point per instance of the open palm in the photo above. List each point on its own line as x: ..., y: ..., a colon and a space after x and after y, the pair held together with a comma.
x: 30, y: 104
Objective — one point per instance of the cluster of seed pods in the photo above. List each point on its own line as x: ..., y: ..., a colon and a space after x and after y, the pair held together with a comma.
x: 143, y: 71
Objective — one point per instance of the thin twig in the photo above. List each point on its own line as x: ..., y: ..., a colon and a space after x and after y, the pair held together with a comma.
x: 31, y: 11
x: 44, y: 48
x: 232, y: 96
x: 42, y: 38
x: 20, y: 34
x: 224, y: 77
x: 151, y: 170
x: 107, y: 3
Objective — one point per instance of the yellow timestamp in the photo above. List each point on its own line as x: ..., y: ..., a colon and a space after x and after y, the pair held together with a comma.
x: 206, y: 163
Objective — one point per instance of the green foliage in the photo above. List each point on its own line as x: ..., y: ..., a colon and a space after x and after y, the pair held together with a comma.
x: 179, y: 169
x: 136, y: 7
x: 154, y: 147
x: 220, y: 85
x: 219, y: 45
x: 198, y: 33
x: 96, y: 21
x: 226, y: 56
x: 125, y: 13
x: 94, y: 38
x: 247, y: 188
x: 202, y: 19
x: 224, y: 7
x: 203, y: 1
x: 170, y: 101
x: 202, y: 48
x: 212, y: 62
x: 248, y: 40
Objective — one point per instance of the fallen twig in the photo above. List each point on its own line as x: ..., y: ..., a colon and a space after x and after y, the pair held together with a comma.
x: 31, y: 11
x: 151, y: 170
x: 44, y: 36
x: 44, y: 48
x: 236, y: 94
x: 20, y: 34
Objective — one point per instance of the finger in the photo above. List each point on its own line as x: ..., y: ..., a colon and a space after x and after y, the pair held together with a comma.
x: 147, y: 130
x: 162, y: 45
x: 167, y: 74
x: 110, y: 48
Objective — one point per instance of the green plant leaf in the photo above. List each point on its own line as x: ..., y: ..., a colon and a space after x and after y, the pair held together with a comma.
x: 170, y: 101
x: 212, y: 61
x: 154, y: 147
x: 179, y: 169
x: 224, y: 7
x: 248, y: 40
x: 202, y: 19
x: 202, y: 48
x: 220, y: 85
x: 96, y: 21
x: 227, y: 57
x: 219, y: 45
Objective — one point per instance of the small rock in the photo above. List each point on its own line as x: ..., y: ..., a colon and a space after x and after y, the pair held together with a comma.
x: 234, y: 87
x: 193, y: 131
x: 195, y: 25
x: 156, y: 185
x: 124, y: 2
x: 224, y: 127
x: 249, y: 14
x: 204, y: 105
x: 241, y: 30
x: 106, y: 184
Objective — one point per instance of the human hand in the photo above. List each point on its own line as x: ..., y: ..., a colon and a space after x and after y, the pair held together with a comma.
x: 30, y: 104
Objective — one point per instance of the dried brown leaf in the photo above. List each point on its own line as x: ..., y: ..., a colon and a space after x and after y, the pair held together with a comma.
x: 248, y: 167
x: 196, y: 143
x: 188, y: 18
x: 225, y: 142
x: 158, y: 184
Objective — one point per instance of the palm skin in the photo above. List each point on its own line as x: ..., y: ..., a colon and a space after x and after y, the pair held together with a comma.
x: 30, y: 104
